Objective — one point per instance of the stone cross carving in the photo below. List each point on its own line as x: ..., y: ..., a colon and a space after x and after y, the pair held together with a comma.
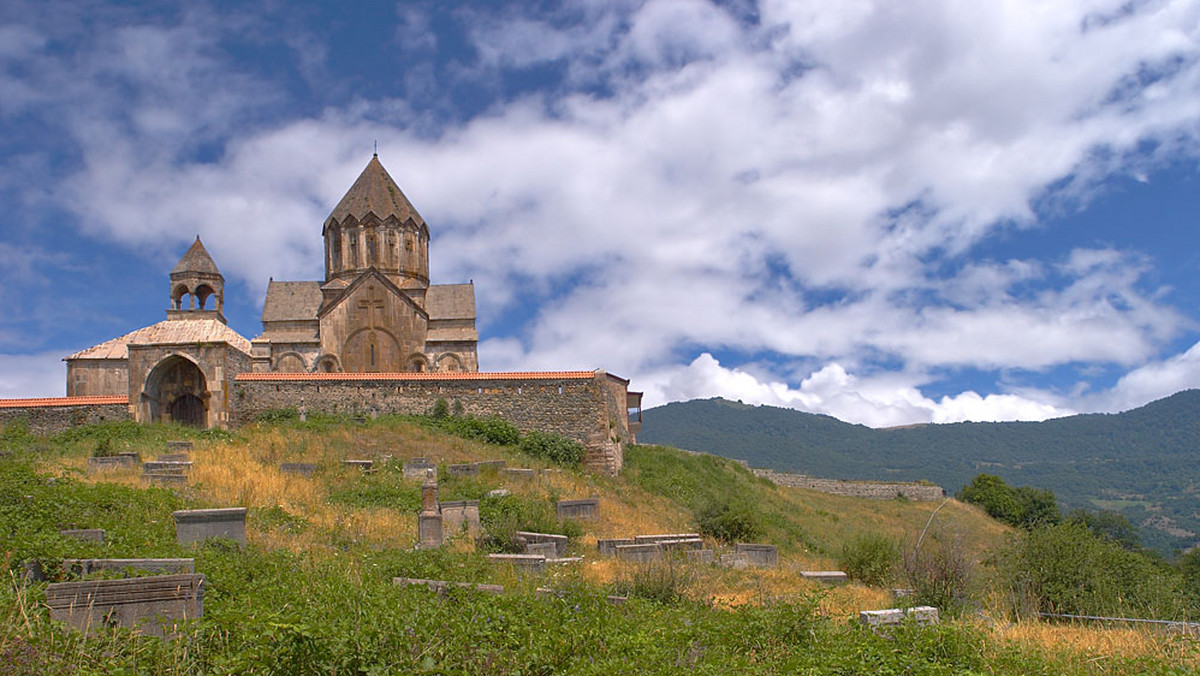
x: 375, y: 302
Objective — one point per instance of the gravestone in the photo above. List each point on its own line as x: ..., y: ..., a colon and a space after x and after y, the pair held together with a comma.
x: 762, y: 556
x: 440, y: 586
x: 643, y: 539
x: 463, y: 470
x: 682, y: 544
x: 111, y: 462
x: 301, y: 468
x: 198, y: 525
x: 180, y: 447
x: 586, y: 509
x: 166, y: 467
x: 164, y: 478
x: 608, y: 546
x: 364, y: 465
x: 700, y: 555
x: 88, y: 534
x: 524, y: 563
x: 415, y: 468
x: 499, y: 493
x: 825, y: 576
x: 457, y: 514
x: 546, y: 550
x: 519, y: 473
x: 173, y: 457
x: 153, y: 605
x: 429, y: 521
x: 643, y: 553
x: 157, y: 566
x: 922, y: 615
x: 735, y: 561
x: 560, y: 541
x: 495, y: 465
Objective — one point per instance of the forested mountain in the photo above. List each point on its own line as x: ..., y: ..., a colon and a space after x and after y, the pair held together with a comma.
x: 1144, y: 463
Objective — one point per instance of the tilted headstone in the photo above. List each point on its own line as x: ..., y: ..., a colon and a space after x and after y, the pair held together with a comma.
x: 88, y: 534
x: 154, y: 605
x: 460, y: 514
x: 891, y: 616
x: 763, y: 556
x: 441, y: 586
x: 560, y: 541
x: 639, y: 553
x: 524, y: 563
x: 157, y: 566
x: 825, y: 576
x: 608, y: 546
x: 198, y: 525
x: 415, y: 468
x: 586, y: 509
x: 301, y: 468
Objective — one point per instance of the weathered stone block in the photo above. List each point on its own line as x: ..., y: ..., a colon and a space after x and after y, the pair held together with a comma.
x: 173, y: 457
x: 168, y: 467
x: 180, y: 447
x: 460, y: 514
x: 88, y: 534
x: 153, y: 605
x: 608, y: 546
x: 198, y: 525
x: 586, y: 509
x: 416, y: 468
x: 429, y: 530
x: 680, y: 545
x: 560, y: 541
x: 642, y: 539
x: 700, y: 555
x: 494, y: 465
x: 639, y: 553
x: 301, y: 468
x: 891, y: 616
x: 159, y: 566
x: 111, y: 462
x: 825, y: 576
x: 519, y: 473
x: 364, y: 465
x: 463, y: 470
x: 524, y: 563
x: 763, y: 556
x: 441, y: 586
x: 543, y: 549
x: 735, y: 561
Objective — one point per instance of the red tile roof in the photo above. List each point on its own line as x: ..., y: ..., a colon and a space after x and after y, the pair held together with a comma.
x: 515, y: 375
x: 62, y: 401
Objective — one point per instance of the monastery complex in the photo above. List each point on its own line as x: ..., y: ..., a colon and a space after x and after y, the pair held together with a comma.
x: 374, y: 336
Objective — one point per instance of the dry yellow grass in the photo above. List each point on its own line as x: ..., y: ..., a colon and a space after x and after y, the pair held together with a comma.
x: 1095, y: 643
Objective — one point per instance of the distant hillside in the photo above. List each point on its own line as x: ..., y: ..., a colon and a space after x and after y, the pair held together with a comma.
x: 1144, y: 463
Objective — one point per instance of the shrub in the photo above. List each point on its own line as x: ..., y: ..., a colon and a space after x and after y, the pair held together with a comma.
x: 1021, y: 507
x: 870, y: 558
x: 440, y: 409
x: 552, y: 447
x: 728, y: 521
x: 504, y: 515
x: 940, y: 571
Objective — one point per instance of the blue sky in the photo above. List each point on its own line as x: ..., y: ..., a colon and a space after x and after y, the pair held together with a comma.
x: 887, y: 212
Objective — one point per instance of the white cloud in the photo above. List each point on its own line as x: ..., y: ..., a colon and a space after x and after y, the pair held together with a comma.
x: 32, y: 375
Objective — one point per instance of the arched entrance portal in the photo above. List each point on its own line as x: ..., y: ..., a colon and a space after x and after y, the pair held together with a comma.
x: 176, y: 391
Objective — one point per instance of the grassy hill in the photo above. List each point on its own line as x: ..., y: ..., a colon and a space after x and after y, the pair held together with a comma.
x: 1143, y: 463
x: 312, y: 592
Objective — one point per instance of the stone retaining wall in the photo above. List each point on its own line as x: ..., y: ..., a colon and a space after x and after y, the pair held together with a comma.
x: 879, y: 490
x: 61, y: 415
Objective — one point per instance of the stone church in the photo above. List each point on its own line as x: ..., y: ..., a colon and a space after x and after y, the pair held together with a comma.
x: 374, y: 313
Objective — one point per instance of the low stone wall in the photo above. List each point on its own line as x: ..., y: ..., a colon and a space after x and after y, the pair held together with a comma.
x: 878, y: 490
x: 51, y: 416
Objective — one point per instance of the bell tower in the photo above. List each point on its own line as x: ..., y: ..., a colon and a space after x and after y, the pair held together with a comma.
x: 197, y: 286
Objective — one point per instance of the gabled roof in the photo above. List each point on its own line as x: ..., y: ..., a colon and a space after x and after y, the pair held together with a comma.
x: 375, y: 192
x: 291, y: 301
x: 450, y: 301
x: 171, y: 332
x: 372, y: 274
x: 196, y: 260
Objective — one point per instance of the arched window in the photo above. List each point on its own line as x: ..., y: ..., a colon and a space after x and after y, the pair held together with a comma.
x: 353, y: 249
x: 336, y: 239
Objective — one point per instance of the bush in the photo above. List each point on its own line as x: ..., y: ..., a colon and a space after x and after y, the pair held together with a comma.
x: 728, y: 522
x: 940, y: 571
x: 870, y: 558
x: 503, y: 516
x: 552, y: 447
x: 1021, y: 507
x: 440, y: 409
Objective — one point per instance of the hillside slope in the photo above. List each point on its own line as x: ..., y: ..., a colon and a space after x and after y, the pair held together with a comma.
x: 1143, y: 463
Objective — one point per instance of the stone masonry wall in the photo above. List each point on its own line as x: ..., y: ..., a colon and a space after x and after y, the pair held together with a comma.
x: 576, y: 408
x: 881, y: 490
x: 55, y: 419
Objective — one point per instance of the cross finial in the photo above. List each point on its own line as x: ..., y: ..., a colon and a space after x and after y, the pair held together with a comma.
x: 376, y: 147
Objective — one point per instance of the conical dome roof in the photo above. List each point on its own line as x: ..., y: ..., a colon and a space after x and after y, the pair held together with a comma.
x: 196, y: 260
x: 375, y: 192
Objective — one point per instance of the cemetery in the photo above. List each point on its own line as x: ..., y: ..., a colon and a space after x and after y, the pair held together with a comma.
x: 393, y: 534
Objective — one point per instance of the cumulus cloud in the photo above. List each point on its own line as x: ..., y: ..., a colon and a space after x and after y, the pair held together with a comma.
x: 804, y: 187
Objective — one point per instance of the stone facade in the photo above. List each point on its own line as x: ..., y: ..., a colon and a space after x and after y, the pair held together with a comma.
x: 879, y: 490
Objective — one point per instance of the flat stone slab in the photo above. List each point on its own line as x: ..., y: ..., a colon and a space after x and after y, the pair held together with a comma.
x: 167, y: 467
x: 525, y: 562
x: 560, y: 541
x: 111, y: 462
x: 364, y: 465
x: 585, y: 509
x: 495, y: 465
x: 640, y: 553
x: 922, y: 615
x: 180, y: 446
x: 735, y: 561
x: 700, y: 555
x: 160, y: 566
x: 519, y: 473
x: 198, y: 525
x: 608, y: 546
x: 642, y: 539
x: 463, y: 470
x: 152, y: 605
x: 172, y: 457
x: 825, y: 576
x: 681, y: 545
x: 87, y: 534
x: 762, y: 556
x: 441, y: 586
x: 301, y: 468
x: 547, y: 550
x: 564, y: 560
